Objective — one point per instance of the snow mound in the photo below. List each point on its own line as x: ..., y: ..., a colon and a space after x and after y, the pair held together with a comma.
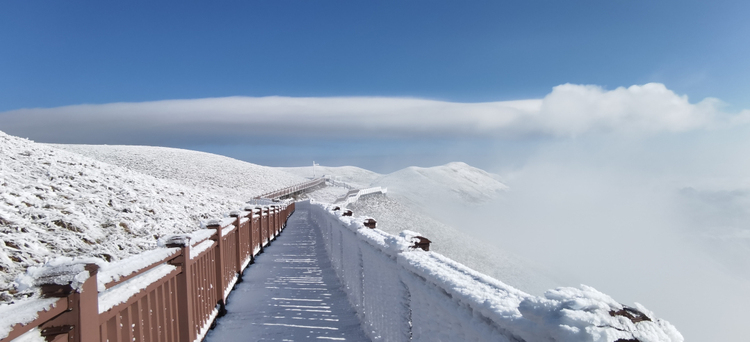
x: 57, y: 203
x: 585, y: 314
x: 220, y: 175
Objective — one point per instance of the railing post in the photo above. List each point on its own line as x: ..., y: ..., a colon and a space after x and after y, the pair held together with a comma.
x: 186, y: 321
x: 238, y: 241
x: 251, y: 246
x: 258, y: 230
x: 220, y: 284
x: 81, y: 321
x: 261, y: 230
x: 249, y: 216
x: 88, y: 307
x: 274, y: 220
x: 271, y: 233
x: 284, y: 215
x: 264, y: 225
x: 275, y: 209
x: 271, y: 223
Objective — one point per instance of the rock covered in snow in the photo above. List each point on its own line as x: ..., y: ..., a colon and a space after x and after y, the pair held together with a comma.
x: 569, y: 314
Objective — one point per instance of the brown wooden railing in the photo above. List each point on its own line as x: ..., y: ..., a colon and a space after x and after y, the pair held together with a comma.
x: 175, y: 299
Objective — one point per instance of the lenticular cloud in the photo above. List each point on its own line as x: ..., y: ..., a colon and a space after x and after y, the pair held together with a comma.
x: 569, y: 110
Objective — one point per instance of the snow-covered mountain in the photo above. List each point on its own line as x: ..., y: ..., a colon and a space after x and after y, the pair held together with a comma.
x: 451, y: 183
x: 58, y: 203
x: 454, y: 182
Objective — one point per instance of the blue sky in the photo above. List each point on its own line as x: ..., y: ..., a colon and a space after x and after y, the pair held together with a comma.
x: 70, y: 53
x: 65, y: 53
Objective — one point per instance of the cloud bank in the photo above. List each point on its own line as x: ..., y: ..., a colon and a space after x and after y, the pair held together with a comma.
x: 569, y: 110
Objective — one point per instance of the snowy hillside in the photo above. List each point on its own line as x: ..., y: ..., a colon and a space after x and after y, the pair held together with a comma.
x: 415, y: 198
x: 218, y: 174
x: 58, y: 203
x: 452, y: 182
x: 394, y: 217
x: 455, y: 182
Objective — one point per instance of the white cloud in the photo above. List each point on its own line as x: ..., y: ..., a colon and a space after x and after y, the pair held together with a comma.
x: 575, y: 109
x: 568, y: 110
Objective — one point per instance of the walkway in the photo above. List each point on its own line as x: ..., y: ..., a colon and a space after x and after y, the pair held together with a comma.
x: 290, y: 294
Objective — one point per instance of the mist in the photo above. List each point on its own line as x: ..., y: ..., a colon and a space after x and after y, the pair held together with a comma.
x: 661, y: 220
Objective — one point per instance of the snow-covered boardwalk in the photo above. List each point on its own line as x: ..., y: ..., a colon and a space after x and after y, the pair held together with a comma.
x: 291, y: 293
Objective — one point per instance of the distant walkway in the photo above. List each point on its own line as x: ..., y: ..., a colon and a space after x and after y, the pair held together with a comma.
x: 290, y: 294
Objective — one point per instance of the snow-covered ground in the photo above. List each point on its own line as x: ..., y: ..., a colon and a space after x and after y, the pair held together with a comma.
x: 393, y: 217
x: 59, y: 203
x: 414, y: 201
x: 406, y: 294
x: 422, y: 186
x: 221, y: 175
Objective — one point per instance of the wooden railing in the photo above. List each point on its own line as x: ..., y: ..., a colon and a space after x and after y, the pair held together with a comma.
x: 293, y: 189
x: 175, y: 298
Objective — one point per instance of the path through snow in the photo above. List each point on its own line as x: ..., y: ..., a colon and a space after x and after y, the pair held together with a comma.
x: 291, y: 293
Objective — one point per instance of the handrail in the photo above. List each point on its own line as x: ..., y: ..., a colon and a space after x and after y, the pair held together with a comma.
x: 174, y: 295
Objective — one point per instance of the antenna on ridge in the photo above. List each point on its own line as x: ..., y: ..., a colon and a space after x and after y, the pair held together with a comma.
x: 314, y: 165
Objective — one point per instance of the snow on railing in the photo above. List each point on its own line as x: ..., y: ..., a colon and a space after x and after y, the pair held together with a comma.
x: 353, y: 195
x: 404, y: 293
x: 172, y: 293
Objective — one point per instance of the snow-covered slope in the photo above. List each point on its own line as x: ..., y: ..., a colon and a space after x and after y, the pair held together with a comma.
x: 352, y: 175
x: 453, y: 182
x: 218, y: 174
x: 58, y: 203
x: 414, y: 202
x: 394, y: 217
